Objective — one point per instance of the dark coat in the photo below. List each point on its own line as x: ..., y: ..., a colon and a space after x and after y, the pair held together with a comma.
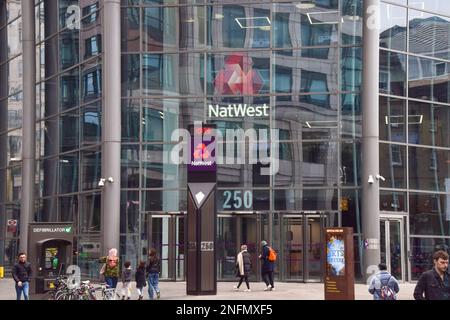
x: 431, y: 284
x: 247, y: 261
x: 22, y: 272
x: 140, y: 278
x: 266, y: 266
x: 154, y: 265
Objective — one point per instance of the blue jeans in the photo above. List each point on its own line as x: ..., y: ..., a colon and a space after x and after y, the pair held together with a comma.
x: 24, y: 288
x: 111, y: 281
x: 153, y: 279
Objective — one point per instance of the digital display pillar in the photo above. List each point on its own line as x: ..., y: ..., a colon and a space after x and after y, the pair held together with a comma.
x: 201, y: 274
x: 339, y: 264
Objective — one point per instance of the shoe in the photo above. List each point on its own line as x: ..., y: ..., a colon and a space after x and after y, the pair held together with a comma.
x: 247, y: 290
x: 128, y: 298
x: 267, y: 288
x: 158, y: 295
x: 272, y: 289
x: 235, y: 288
x: 140, y: 297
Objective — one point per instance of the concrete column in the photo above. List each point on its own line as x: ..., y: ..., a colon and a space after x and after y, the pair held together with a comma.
x: 370, y: 136
x: 111, y: 125
x: 29, y: 121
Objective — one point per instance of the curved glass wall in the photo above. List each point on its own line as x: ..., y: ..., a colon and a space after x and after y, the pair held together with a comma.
x: 414, y: 104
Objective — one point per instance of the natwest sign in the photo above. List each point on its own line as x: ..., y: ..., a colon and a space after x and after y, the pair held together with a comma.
x: 238, y: 110
x: 202, y: 148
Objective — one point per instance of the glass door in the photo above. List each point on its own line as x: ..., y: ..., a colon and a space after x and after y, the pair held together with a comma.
x: 233, y: 230
x: 293, y: 249
x: 302, y: 242
x: 165, y: 233
x: 392, y: 246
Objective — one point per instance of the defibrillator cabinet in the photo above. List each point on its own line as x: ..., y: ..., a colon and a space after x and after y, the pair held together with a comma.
x: 50, y: 253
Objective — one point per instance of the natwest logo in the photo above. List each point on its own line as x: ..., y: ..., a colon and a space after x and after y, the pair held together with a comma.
x: 201, y: 152
x: 238, y: 77
x: 238, y: 110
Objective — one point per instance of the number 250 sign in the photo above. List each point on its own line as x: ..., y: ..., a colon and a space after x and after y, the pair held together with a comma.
x: 237, y: 199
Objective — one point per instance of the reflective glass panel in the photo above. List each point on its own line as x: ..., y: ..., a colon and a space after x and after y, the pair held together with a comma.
x: 428, y: 168
x: 69, y: 131
x: 428, y: 34
x: 350, y: 170
x: 68, y: 173
x: 393, y: 73
x: 129, y: 166
x: 131, y: 120
x: 292, y: 199
x: 130, y: 75
x: 429, y: 79
x: 427, y: 214
x: 392, y: 201
x: 171, y: 74
x: 90, y: 168
x: 428, y: 124
x: 393, y: 27
x: 312, y: 117
x: 392, y: 165
x: 392, y: 119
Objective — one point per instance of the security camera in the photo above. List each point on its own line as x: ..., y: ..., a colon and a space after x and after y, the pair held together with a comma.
x: 101, y: 183
x: 370, y: 180
x: 380, y: 177
x: 110, y: 179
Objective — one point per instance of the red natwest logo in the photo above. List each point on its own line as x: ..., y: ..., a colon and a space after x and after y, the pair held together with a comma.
x: 200, y: 152
x: 238, y: 77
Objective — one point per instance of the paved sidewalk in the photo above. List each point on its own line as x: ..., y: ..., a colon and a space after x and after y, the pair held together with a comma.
x: 283, y: 291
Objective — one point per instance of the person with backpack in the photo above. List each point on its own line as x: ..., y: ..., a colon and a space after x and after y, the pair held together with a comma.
x: 384, y: 286
x: 243, y: 266
x: 268, y: 258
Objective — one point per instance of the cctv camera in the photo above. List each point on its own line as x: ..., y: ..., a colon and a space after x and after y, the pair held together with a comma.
x: 110, y: 179
x: 101, y: 183
x: 380, y: 177
x: 370, y: 180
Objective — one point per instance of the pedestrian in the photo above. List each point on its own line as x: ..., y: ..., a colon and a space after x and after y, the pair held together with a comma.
x: 140, y: 279
x: 434, y: 284
x: 153, y: 269
x: 243, y: 266
x: 126, y: 280
x: 22, y: 275
x: 110, y: 269
x: 384, y: 286
x: 267, y: 266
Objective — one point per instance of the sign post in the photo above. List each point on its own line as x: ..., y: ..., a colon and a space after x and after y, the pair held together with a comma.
x: 339, y: 264
x: 201, y: 274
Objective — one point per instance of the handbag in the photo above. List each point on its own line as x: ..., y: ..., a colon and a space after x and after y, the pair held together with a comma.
x: 103, y: 269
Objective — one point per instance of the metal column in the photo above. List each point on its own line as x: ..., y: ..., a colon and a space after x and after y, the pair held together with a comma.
x: 370, y: 132
x: 111, y: 125
x: 29, y: 121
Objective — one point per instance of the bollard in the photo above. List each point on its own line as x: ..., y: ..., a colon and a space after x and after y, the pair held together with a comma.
x: 2, y: 272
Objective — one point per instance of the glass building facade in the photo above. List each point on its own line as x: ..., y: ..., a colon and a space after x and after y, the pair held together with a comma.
x: 298, y: 62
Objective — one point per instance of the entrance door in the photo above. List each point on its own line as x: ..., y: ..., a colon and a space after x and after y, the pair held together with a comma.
x: 302, y: 242
x: 233, y: 230
x: 392, y: 246
x: 165, y: 233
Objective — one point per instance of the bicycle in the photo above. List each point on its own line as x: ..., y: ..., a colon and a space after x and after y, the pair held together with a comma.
x: 108, y: 293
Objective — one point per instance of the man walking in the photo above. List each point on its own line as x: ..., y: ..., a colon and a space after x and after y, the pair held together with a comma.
x: 266, y: 266
x: 22, y: 274
x: 383, y: 285
x: 434, y: 284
